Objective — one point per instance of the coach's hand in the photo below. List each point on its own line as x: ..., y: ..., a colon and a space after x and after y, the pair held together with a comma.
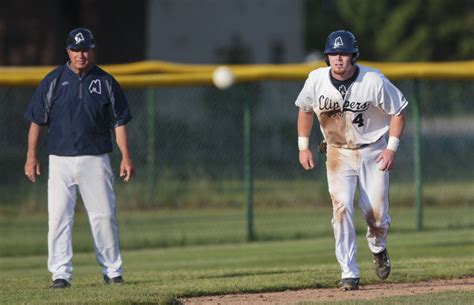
x: 32, y: 168
x: 386, y: 159
x: 126, y: 169
x: 306, y: 159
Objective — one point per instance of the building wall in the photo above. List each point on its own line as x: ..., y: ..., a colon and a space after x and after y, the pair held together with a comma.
x: 188, y: 31
x: 225, y: 31
x: 34, y: 32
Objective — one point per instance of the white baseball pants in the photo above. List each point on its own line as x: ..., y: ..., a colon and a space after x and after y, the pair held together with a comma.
x: 347, y: 168
x: 92, y: 176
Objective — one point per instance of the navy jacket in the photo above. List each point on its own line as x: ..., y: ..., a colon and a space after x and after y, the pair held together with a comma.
x: 80, y: 112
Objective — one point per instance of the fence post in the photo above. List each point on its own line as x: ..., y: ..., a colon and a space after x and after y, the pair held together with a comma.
x: 417, y: 156
x: 248, y: 175
x: 150, y: 156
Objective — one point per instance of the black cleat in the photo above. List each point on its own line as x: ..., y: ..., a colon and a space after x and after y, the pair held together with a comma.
x: 60, y: 283
x: 348, y: 284
x: 382, y: 264
x: 118, y: 280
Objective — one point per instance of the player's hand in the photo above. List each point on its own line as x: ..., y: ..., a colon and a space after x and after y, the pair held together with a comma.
x: 386, y: 159
x: 306, y: 159
x: 127, y: 171
x: 32, y: 168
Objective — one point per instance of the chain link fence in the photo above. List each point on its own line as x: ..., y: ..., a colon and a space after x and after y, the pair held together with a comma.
x: 187, y: 144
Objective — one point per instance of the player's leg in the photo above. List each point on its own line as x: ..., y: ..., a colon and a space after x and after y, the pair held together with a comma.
x: 96, y: 189
x: 342, y: 181
x: 62, y: 193
x: 374, y: 204
x: 374, y: 197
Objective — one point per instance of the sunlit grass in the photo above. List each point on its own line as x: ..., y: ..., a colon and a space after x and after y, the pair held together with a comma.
x: 159, y: 276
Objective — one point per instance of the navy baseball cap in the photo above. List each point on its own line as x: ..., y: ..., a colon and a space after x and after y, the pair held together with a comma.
x: 80, y: 39
x: 341, y: 42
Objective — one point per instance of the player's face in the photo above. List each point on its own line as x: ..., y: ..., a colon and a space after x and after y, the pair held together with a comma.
x: 81, y: 60
x: 341, y: 65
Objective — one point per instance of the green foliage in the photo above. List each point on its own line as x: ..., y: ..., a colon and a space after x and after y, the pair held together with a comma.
x: 405, y: 30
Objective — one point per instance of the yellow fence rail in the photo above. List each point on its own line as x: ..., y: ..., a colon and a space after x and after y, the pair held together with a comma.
x: 160, y: 73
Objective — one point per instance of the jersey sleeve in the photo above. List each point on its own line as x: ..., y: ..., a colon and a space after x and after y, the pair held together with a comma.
x: 121, y: 114
x: 39, y: 106
x: 390, y: 98
x: 306, y: 97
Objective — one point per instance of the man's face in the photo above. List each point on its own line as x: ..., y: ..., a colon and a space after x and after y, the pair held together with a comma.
x: 341, y: 63
x: 81, y: 60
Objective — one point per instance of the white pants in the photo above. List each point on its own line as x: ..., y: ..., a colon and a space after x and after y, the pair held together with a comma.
x: 345, y: 169
x: 92, y: 176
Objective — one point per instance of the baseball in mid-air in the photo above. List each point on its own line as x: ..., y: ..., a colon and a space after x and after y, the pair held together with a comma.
x: 223, y: 77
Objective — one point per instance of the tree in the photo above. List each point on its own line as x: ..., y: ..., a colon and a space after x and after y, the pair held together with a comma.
x: 404, y: 30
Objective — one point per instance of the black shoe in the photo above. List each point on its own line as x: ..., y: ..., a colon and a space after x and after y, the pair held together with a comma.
x: 118, y: 280
x: 60, y: 283
x: 349, y: 284
x: 382, y: 264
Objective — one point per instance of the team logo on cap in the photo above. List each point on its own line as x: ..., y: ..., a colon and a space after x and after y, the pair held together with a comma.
x: 95, y: 86
x: 338, y: 42
x: 79, y: 37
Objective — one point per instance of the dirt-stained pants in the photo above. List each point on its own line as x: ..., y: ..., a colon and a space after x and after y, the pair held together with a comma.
x: 347, y: 168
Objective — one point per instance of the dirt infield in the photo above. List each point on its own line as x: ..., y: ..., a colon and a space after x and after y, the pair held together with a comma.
x: 320, y: 295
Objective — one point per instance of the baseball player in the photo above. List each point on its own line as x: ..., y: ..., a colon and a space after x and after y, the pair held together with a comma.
x: 356, y: 107
x: 80, y: 104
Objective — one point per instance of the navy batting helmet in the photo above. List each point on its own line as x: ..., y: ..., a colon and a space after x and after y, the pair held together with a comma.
x: 80, y: 39
x: 341, y: 42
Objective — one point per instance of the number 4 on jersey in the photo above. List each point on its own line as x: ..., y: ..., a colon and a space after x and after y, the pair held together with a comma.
x: 359, y: 120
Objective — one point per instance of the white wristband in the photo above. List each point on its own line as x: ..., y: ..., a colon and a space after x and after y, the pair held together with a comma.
x: 303, y: 143
x: 393, y: 143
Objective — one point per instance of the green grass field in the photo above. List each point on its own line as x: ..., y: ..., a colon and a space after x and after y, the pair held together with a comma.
x: 215, y: 260
x: 161, y: 275
x: 26, y: 235
x: 197, y: 194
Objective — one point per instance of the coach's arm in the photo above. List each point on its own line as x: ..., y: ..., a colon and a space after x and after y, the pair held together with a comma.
x: 32, y: 165
x: 126, y: 166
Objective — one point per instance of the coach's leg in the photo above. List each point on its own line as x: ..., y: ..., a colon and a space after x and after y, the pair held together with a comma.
x: 62, y: 193
x: 374, y: 197
x: 342, y: 182
x: 96, y: 188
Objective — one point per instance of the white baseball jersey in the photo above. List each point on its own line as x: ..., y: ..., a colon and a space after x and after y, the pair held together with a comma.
x: 362, y: 116
x: 354, y: 122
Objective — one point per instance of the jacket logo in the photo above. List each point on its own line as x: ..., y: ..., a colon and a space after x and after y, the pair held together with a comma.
x: 65, y: 83
x: 343, y: 90
x: 338, y: 42
x: 95, y: 86
x: 79, y: 37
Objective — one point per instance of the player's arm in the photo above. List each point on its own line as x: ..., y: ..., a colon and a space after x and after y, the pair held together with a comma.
x: 126, y: 166
x: 387, y: 157
x: 305, y: 124
x: 32, y: 165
